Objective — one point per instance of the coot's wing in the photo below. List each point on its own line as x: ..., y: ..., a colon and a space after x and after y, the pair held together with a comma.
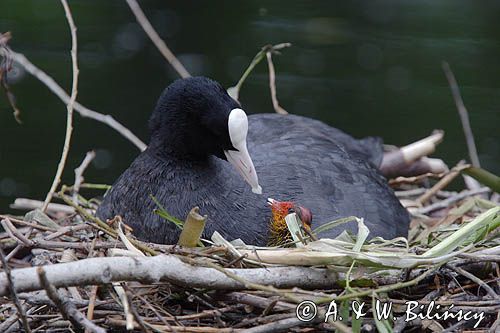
x: 368, y: 149
x: 298, y: 159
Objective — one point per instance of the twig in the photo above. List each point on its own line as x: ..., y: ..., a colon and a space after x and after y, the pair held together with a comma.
x: 13, y: 294
x: 151, y: 307
x: 277, y: 326
x: 124, y: 300
x: 155, y: 38
x: 70, y: 106
x: 476, y: 280
x: 447, y: 202
x: 67, y: 308
x: 30, y: 204
x: 272, y: 84
x: 96, y: 222
x: 137, y: 317
x: 91, y: 307
x: 82, y: 110
x: 65, y: 230
x: 234, y: 91
x: 11, y: 320
x: 462, y: 111
x: 14, y: 233
x: 185, y: 329
x: 443, y: 182
x: 255, y: 301
x: 79, y: 173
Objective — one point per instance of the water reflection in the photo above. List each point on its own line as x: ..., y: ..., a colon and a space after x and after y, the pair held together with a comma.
x: 368, y: 67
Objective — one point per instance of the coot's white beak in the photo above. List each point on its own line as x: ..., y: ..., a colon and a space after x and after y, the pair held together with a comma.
x: 240, y: 158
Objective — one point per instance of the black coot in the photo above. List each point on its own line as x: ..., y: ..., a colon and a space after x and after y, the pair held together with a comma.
x: 197, y: 128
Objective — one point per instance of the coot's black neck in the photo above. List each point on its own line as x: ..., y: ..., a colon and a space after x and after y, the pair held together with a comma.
x: 175, y: 148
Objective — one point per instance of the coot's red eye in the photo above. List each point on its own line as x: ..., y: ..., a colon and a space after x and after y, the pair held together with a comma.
x: 305, y: 215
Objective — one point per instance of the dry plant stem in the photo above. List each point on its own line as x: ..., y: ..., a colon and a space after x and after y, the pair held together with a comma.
x: 101, y: 225
x: 8, y: 323
x: 13, y: 294
x: 79, y: 173
x: 136, y: 315
x: 82, y: 110
x: 184, y: 329
x: 255, y: 61
x: 168, y: 268
x: 476, y: 280
x: 277, y: 326
x: 272, y: 84
x: 447, y: 202
x: 192, y: 229
x: 255, y: 301
x: 148, y: 304
x: 15, y: 234
x: 70, y: 106
x: 90, y: 309
x: 67, y: 308
x: 29, y: 224
x: 442, y: 183
x: 462, y: 111
x: 155, y: 38
x: 30, y: 204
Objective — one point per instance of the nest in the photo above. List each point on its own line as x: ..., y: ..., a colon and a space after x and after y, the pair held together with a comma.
x: 67, y: 270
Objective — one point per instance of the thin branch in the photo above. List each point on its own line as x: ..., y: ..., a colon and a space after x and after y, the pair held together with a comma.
x: 464, y: 116
x: 442, y: 183
x: 63, y: 96
x: 13, y: 294
x: 14, y: 233
x: 79, y: 173
x: 156, y: 39
x: 447, y: 202
x: 70, y: 106
x: 67, y: 308
x: 476, y: 280
x: 135, y: 314
x: 31, y: 204
x: 272, y: 84
x: 234, y: 91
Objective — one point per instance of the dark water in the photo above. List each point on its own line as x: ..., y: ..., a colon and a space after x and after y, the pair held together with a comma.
x: 367, y: 67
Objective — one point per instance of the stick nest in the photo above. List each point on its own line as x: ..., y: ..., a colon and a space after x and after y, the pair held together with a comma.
x: 114, y: 282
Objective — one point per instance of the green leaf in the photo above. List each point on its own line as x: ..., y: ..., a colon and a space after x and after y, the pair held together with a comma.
x: 160, y: 211
x: 471, y: 230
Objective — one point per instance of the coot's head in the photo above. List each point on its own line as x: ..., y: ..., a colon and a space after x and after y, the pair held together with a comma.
x: 195, y: 118
x: 278, y: 230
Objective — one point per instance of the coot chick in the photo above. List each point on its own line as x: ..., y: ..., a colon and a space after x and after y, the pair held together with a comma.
x: 197, y: 128
x: 278, y: 230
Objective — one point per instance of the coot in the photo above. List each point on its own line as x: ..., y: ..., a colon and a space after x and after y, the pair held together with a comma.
x: 200, y: 154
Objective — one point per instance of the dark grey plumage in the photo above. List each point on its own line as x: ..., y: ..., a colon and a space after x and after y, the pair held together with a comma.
x: 296, y: 158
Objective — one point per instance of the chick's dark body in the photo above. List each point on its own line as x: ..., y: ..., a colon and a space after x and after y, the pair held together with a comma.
x: 297, y: 159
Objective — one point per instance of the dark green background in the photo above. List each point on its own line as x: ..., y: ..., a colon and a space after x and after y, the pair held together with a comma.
x: 367, y: 67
